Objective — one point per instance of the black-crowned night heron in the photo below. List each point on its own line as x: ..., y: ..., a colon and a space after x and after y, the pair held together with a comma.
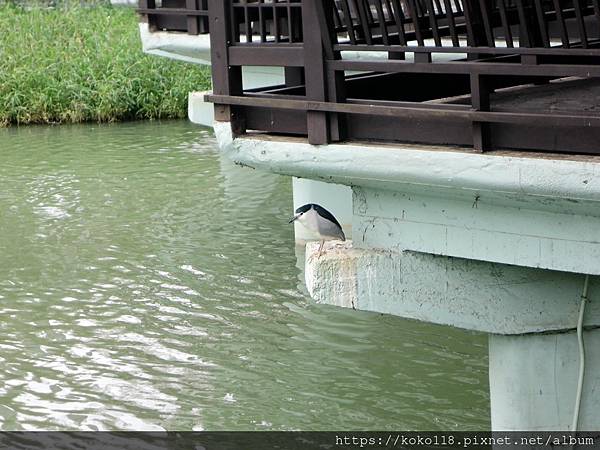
x: 322, y: 222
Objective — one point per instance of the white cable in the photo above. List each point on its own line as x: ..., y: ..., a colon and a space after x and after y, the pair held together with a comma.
x: 581, y: 354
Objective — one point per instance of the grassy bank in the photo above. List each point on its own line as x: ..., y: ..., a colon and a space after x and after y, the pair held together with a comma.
x: 86, y: 64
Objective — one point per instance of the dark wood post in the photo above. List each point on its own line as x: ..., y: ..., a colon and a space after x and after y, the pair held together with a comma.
x: 227, y: 80
x: 149, y: 4
x: 203, y: 29
x: 475, y: 30
x: 321, y: 85
x: 480, y: 101
x: 531, y: 31
x: 336, y: 82
x: 192, y: 20
x: 294, y: 76
x: 314, y: 70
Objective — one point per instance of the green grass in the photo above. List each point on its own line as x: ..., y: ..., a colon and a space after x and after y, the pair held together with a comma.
x: 71, y: 65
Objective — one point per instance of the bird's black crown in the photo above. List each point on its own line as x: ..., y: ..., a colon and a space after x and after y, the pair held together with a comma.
x: 320, y: 211
x: 305, y: 208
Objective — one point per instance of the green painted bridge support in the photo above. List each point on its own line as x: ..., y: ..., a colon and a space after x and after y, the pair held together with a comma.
x: 529, y: 314
x: 499, y: 242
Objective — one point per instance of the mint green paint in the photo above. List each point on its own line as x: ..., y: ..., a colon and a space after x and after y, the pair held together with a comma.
x: 532, y: 376
x: 495, y: 242
x: 476, y: 295
x: 533, y: 380
x: 475, y: 227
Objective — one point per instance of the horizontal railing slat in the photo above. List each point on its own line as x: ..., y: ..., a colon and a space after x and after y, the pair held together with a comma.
x: 469, y: 67
x: 408, y: 111
x: 542, y: 51
x: 288, y: 56
x: 172, y: 12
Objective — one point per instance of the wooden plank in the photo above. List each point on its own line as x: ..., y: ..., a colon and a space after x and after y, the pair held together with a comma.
x: 262, y: 29
x: 414, y: 15
x: 171, y: 12
x: 247, y: 24
x: 266, y: 55
x: 487, y: 26
x: 427, y: 131
x: 542, y: 118
x: 323, y: 11
x: 335, y: 89
x: 497, y: 68
x: 290, y: 25
x: 580, y: 23
x: 451, y: 23
x: 364, y: 21
x: 416, y: 105
x: 399, y: 19
x: 561, y: 24
x: 193, y: 24
x: 541, y: 18
x: 382, y: 22
x: 596, y: 4
x: 276, y: 32
x: 505, y: 24
x: 525, y: 38
x: 471, y: 35
x: 433, y: 22
x: 554, y: 51
x: 203, y: 19
x: 348, y: 21
x: 480, y: 101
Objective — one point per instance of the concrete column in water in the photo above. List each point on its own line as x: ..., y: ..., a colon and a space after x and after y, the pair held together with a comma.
x: 530, y: 315
x: 497, y: 242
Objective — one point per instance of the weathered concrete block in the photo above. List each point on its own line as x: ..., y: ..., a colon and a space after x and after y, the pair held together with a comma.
x: 476, y: 295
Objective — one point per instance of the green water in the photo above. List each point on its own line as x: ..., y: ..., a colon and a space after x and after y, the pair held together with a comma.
x: 147, y: 283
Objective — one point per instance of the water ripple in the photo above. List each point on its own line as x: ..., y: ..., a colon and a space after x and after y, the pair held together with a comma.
x: 140, y: 289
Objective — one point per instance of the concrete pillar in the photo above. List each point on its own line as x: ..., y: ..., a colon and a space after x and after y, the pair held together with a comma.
x: 533, y: 381
x: 530, y: 315
x: 496, y: 242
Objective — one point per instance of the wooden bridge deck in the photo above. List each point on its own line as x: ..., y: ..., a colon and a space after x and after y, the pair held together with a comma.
x: 505, y: 78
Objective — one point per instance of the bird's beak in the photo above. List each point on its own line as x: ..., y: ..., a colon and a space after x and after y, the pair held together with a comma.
x: 294, y: 218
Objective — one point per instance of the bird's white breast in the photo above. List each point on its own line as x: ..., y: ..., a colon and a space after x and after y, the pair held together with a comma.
x: 310, y: 219
x: 323, y: 227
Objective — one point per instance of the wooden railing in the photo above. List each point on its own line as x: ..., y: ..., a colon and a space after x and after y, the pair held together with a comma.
x: 190, y: 16
x: 454, y: 72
